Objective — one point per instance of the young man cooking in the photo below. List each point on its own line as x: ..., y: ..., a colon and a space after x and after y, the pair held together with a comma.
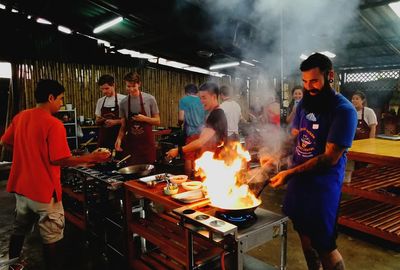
x: 215, y: 132
x: 40, y: 147
x: 324, y: 126
x: 139, y: 113
x: 107, y: 112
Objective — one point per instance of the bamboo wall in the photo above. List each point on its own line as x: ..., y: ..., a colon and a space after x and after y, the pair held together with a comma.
x: 80, y: 82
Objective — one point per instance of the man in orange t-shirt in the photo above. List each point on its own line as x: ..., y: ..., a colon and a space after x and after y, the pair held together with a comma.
x: 40, y: 147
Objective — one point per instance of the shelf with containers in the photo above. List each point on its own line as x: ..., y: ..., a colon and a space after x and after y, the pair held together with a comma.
x: 68, y: 117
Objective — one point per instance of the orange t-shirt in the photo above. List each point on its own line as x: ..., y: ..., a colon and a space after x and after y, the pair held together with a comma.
x: 37, y: 138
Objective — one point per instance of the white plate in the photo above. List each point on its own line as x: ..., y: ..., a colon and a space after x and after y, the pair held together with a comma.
x: 152, y: 177
x: 189, y: 196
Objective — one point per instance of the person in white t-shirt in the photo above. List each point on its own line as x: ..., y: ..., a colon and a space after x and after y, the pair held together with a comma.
x: 107, y: 112
x: 232, y: 112
x: 366, y: 126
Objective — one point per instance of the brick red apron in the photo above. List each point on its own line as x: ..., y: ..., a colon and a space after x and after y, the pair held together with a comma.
x: 139, y: 140
x: 362, y: 131
x: 108, y: 135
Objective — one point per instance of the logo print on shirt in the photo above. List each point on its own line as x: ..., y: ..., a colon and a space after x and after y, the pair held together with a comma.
x: 306, y: 145
x: 311, y: 117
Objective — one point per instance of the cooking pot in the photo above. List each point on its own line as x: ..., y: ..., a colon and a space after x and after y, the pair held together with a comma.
x: 138, y: 170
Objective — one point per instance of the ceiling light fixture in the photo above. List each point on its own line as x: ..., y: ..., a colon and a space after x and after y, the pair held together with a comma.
x: 329, y: 54
x: 64, y: 29
x: 13, y: 10
x: 43, y: 21
x: 326, y: 53
x: 395, y: 7
x: 248, y: 63
x: 2, y: 6
x: 303, y: 56
x: 107, y: 25
x: 225, y: 65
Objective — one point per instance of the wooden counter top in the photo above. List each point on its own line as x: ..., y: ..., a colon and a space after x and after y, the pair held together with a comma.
x: 155, y: 194
x: 377, y: 151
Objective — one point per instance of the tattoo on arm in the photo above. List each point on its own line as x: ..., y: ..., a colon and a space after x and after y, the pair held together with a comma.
x: 330, y: 157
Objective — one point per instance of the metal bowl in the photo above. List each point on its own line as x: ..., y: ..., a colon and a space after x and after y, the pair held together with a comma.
x: 137, y: 170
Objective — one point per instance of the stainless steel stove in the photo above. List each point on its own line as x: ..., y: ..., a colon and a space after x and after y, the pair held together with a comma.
x: 265, y: 227
x: 93, y: 201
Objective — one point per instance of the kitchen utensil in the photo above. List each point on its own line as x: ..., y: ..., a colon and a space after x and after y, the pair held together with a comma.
x: 122, y: 160
x: 136, y: 170
x: 192, y: 185
x: 178, y: 179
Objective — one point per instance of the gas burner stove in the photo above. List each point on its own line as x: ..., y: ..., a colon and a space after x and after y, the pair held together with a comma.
x: 240, y: 220
x: 112, y: 179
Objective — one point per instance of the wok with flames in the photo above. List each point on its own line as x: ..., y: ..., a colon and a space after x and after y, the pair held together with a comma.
x: 225, y: 180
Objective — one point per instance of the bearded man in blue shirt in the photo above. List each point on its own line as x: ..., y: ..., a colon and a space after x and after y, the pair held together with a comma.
x: 324, y: 127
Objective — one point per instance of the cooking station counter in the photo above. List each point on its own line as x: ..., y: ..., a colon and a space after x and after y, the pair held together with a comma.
x: 189, y: 253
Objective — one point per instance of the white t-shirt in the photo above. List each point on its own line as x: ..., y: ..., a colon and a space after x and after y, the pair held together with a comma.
x: 110, y: 102
x: 369, y: 116
x: 233, y: 114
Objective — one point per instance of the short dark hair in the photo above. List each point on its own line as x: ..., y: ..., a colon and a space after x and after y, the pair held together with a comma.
x: 210, y: 87
x: 226, y: 90
x: 317, y: 60
x: 106, y: 79
x: 297, y: 87
x: 45, y: 88
x: 361, y: 95
x: 132, y: 77
x: 191, y: 88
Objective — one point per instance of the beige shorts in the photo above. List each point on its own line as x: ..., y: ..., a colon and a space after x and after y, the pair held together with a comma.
x: 49, y: 218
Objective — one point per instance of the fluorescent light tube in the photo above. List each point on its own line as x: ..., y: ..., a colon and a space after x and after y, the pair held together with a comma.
x: 395, y: 7
x: 248, y: 63
x: 43, y: 21
x: 303, y: 56
x: 64, y: 29
x: 329, y: 54
x: 225, y: 65
x: 107, y: 25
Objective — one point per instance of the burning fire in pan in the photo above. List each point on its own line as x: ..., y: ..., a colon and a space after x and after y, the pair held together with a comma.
x: 225, y: 177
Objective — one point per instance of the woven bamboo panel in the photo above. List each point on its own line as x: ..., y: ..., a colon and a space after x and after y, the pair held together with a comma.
x: 80, y: 81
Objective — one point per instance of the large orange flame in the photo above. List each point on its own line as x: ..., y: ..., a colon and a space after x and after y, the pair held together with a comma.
x: 223, y: 177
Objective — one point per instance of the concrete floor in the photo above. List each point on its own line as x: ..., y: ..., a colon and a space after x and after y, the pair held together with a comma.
x: 360, y: 251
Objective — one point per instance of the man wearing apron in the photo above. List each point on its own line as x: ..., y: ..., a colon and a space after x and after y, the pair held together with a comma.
x: 324, y: 127
x: 107, y: 112
x: 215, y: 132
x: 139, y: 113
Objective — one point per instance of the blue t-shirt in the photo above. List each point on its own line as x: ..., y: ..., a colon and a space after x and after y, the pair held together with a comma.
x: 312, y: 198
x: 194, y: 114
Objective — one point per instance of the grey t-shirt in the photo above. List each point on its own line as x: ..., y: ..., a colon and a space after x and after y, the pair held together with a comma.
x: 149, y: 102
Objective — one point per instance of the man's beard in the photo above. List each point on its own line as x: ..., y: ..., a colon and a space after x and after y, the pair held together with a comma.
x: 320, y: 103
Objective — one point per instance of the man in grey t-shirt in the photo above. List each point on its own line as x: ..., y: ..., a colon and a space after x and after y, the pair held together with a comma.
x: 139, y: 113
